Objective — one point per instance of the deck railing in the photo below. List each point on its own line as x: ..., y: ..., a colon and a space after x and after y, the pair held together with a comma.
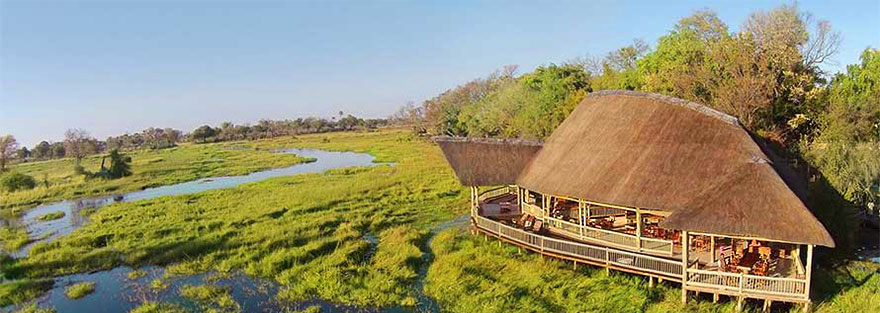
x: 739, y: 283
x: 618, y: 258
x: 494, y: 192
x: 626, y: 241
x: 588, y: 233
x: 722, y: 282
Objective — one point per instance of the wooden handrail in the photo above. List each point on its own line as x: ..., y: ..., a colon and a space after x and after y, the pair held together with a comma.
x: 629, y: 238
x: 619, y: 258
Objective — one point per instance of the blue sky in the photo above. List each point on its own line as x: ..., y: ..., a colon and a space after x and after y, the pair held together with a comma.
x: 120, y: 66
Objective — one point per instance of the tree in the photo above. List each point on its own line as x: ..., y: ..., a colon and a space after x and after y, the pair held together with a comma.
x: 42, y: 150
x: 120, y: 165
x: 202, y: 133
x: 8, y: 147
x: 57, y: 150
x: 23, y: 153
x: 79, y: 144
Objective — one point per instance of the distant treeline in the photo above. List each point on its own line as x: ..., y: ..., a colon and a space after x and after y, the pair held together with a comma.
x: 767, y: 74
x: 78, y: 143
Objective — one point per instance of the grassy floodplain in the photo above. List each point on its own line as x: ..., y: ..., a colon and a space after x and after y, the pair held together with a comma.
x: 311, y: 234
x: 56, y: 180
x: 307, y: 232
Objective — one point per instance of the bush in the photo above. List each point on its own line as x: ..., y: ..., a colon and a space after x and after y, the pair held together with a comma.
x: 155, y: 307
x: 80, y: 290
x: 15, y: 181
x: 51, y: 216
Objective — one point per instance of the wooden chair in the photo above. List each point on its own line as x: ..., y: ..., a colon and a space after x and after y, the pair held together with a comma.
x: 764, y: 252
x: 537, y: 227
x: 530, y: 223
x: 522, y: 220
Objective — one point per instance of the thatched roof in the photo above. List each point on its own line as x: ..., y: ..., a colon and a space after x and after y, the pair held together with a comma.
x: 652, y: 151
x: 487, y: 162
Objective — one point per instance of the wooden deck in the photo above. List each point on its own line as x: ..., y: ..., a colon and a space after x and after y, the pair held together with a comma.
x: 608, y: 250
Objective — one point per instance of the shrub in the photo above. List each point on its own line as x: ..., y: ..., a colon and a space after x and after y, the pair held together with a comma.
x: 51, y: 216
x: 80, y: 290
x: 155, y: 307
x: 119, y: 164
x: 15, y: 181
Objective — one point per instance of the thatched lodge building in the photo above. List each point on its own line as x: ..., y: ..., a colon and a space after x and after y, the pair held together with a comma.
x: 651, y: 185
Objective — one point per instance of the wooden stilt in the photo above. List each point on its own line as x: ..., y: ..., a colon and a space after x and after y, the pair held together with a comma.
x: 766, y: 307
x: 650, y: 282
x: 712, y: 250
x: 739, y: 304
x: 575, y: 265
x: 685, y: 239
x: 714, y: 298
x: 807, y: 307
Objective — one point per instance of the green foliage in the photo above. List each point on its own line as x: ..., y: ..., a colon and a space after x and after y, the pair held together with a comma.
x: 203, y: 133
x: 51, y: 216
x: 120, y: 165
x: 158, y: 307
x: 211, y: 297
x: 150, y: 168
x: 21, y: 291
x: 15, y: 181
x: 530, y: 106
x: 854, y: 102
x: 847, y: 149
x: 13, y: 238
x: 79, y: 290
x: 32, y: 308
x: 306, y: 232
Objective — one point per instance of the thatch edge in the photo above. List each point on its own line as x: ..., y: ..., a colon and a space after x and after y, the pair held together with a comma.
x: 670, y: 100
x: 499, y: 141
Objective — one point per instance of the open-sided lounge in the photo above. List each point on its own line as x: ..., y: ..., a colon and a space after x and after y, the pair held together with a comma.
x: 651, y: 185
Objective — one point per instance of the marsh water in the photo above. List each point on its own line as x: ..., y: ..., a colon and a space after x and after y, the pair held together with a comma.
x: 116, y: 292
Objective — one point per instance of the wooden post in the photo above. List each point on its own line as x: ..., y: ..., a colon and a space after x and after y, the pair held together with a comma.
x: 766, y: 307
x: 684, y: 265
x: 715, y: 298
x: 712, y: 249
x: 639, y: 229
x: 580, y: 219
x: 809, y: 270
x: 650, y: 281
x: 739, y: 303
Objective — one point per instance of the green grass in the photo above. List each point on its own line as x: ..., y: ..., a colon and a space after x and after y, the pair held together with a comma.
x: 310, y: 309
x: 308, y: 234
x: 150, y: 168
x: 51, y: 216
x: 32, y: 308
x: 157, y: 307
x: 19, y: 292
x: 211, y: 297
x: 135, y: 274
x: 13, y: 238
x: 79, y: 290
